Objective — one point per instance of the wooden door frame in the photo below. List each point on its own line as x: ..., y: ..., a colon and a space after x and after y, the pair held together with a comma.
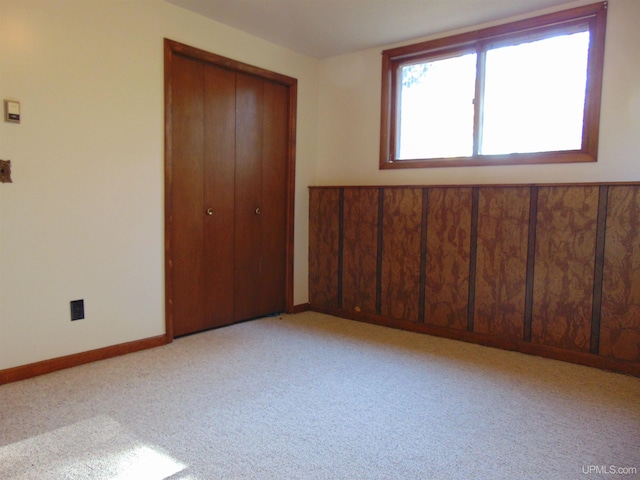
x: 172, y: 48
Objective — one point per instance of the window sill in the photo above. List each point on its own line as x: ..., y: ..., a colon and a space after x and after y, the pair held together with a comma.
x: 487, y: 160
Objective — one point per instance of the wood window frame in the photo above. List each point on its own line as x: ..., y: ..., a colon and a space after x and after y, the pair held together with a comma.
x: 393, y: 59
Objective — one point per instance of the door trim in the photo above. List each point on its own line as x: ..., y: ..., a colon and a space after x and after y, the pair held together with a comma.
x: 172, y: 48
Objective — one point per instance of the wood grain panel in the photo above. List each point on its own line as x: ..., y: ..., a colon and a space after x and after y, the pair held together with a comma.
x: 324, y: 238
x: 564, y: 266
x: 219, y: 187
x: 556, y: 266
x: 360, y: 243
x: 401, y: 253
x: 248, y: 191
x: 274, y: 197
x: 448, y: 249
x: 503, y: 228
x: 187, y: 272
x: 620, y: 318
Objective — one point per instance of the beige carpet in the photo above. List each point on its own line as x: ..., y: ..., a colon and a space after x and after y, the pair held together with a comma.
x: 310, y: 396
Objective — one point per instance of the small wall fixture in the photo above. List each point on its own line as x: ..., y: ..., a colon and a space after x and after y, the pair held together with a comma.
x: 5, y: 171
x: 12, y: 111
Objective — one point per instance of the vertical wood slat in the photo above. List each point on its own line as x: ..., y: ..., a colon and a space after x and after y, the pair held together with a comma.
x: 503, y: 231
x: 401, y: 254
x: 340, y: 244
x: 531, y: 260
x: 379, y: 251
x: 620, y: 313
x: 564, y: 267
x: 473, y: 257
x: 596, y: 309
x: 448, y: 252
x: 324, y: 245
x: 424, y: 215
x: 360, y: 247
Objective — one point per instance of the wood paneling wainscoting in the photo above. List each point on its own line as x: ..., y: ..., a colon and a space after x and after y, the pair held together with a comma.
x: 551, y: 270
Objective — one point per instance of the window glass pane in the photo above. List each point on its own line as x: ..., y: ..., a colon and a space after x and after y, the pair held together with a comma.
x: 534, y: 96
x: 436, y: 108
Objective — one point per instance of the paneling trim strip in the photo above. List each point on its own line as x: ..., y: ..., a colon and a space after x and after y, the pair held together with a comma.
x: 531, y: 260
x: 423, y: 255
x: 603, y: 200
x: 340, y: 244
x: 473, y: 256
x: 379, y: 251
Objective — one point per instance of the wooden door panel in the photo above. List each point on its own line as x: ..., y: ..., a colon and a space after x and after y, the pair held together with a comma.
x: 248, y: 186
x: 274, y: 202
x: 187, y: 266
x: 219, y: 172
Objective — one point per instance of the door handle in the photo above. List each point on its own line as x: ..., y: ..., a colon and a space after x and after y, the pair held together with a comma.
x: 209, y: 211
x: 258, y: 211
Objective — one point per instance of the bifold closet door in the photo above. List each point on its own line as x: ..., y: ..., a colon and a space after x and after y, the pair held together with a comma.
x: 228, y: 196
x: 202, y: 197
x: 219, y: 194
x: 260, y: 193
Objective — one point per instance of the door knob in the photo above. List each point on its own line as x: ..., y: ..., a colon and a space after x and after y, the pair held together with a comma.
x: 209, y: 211
x: 258, y: 212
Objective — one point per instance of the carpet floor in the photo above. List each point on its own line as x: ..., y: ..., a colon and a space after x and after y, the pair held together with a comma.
x: 310, y: 396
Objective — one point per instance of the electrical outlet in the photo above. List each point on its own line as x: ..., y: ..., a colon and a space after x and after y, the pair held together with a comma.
x: 77, y: 310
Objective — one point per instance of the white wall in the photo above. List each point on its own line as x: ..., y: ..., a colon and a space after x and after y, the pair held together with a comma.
x: 84, y: 215
x: 349, y: 120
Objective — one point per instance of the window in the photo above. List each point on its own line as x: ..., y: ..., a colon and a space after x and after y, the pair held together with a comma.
x: 524, y: 92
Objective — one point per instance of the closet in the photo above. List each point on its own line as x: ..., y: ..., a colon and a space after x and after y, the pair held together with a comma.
x: 229, y: 194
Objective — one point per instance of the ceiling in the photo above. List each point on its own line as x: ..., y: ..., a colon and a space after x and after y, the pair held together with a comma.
x: 327, y: 28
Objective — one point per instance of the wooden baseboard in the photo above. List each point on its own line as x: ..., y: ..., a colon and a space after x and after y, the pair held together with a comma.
x: 47, y: 366
x: 580, y: 358
x: 303, y: 307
